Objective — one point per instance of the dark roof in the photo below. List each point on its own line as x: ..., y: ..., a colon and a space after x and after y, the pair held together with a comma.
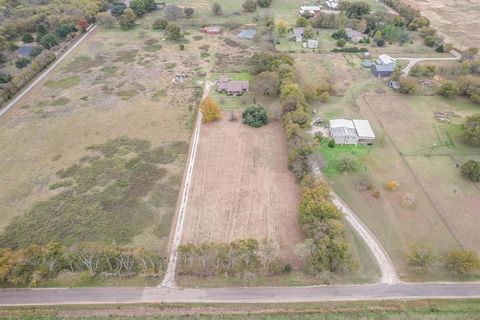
x: 24, y: 51
x: 237, y: 86
x: 384, y: 67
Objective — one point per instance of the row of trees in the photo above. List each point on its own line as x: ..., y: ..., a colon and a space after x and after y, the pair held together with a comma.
x: 326, y: 248
x: 239, y: 257
x: 34, y: 263
x: 421, y: 258
x: 20, y: 79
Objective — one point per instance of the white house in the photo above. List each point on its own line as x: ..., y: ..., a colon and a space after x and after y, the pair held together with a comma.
x: 332, y: 4
x: 298, y: 34
x: 385, y: 59
x: 311, y: 10
x: 311, y: 44
x: 345, y: 131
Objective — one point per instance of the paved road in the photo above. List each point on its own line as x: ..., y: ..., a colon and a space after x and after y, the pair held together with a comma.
x: 414, y: 61
x: 18, y: 297
x: 45, y: 73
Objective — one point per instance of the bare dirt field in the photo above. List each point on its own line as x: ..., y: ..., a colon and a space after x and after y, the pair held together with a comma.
x: 457, y: 20
x: 241, y: 187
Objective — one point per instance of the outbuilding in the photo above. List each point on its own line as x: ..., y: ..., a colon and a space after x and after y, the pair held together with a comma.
x: 364, y: 131
x: 311, y: 44
x: 211, y: 30
x: 298, y: 34
x: 310, y: 10
x: 343, y: 131
x: 382, y: 70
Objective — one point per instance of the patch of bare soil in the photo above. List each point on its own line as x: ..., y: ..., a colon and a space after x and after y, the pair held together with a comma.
x: 241, y: 187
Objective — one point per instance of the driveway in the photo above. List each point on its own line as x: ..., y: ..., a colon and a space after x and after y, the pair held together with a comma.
x: 414, y: 61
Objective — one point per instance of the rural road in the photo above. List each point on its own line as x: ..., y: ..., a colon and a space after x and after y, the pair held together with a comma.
x: 60, y: 296
x: 45, y: 73
x: 414, y: 61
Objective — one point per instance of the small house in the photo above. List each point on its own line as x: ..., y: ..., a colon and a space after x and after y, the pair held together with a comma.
x: 310, y: 10
x: 382, y: 70
x: 23, y: 51
x: 211, y: 30
x: 311, y: 44
x: 232, y: 87
x: 354, y: 35
x: 298, y: 34
x: 247, y: 34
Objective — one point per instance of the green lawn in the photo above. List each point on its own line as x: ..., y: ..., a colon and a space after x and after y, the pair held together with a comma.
x: 331, y: 156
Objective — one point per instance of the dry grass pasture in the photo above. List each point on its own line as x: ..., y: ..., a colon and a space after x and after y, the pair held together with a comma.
x: 241, y: 187
x: 116, y: 85
x: 456, y: 20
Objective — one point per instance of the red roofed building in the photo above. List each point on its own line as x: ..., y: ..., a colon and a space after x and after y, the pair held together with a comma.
x: 211, y: 30
x: 232, y: 88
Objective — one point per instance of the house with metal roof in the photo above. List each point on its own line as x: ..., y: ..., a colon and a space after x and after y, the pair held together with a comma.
x: 386, y: 59
x: 382, y: 70
x: 345, y: 131
x: 298, y: 34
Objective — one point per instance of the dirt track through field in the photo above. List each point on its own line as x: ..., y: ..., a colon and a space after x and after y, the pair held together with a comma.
x: 241, y: 188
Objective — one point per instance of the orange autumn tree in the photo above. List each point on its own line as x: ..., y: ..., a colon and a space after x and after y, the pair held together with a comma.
x: 210, y: 110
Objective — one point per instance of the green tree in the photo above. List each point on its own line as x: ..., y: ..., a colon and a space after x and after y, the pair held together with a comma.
x: 173, y: 32
x: 471, y: 170
x: 264, y: 3
x: 160, y: 24
x: 249, y: 5
x: 462, y: 262
x: 127, y: 20
x: 5, y: 77
x: 471, y: 129
x: 105, y: 19
x: 22, y: 63
x: 49, y: 40
x: 449, y: 89
x: 302, y: 22
x: 117, y: 8
x: 189, y: 12
x: 139, y: 7
x: 358, y: 9
x: 419, y: 257
x: 255, y: 116
x: 282, y: 27
x: 217, y: 9
x: 408, y: 86
x: 308, y: 33
x: 347, y: 163
x: 27, y: 38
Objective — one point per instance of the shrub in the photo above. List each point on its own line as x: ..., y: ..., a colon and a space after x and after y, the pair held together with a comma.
x: 27, y: 38
x: 210, y: 110
x: 449, y: 89
x: 255, y: 116
x: 173, y: 12
x: 350, y: 49
x: 217, y: 9
x: 5, y: 77
x: 331, y: 143
x: 462, y: 261
x: 440, y: 48
x: 127, y: 20
x: 347, y: 163
x: 22, y: 63
x: 49, y: 40
x: 392, y: 185
x: 471, y: 170
x: 471, y: 129
x: 173, y: 32
x: 105, y: 19
x: 408, y: 86
x: 341, y: 42
x: 419, y: 257
x: 189, y: 12
x: 380, y: 42
x: 249, y: 5
x: 160, y: 24
x: 302, y: 22
x: 430, y: 41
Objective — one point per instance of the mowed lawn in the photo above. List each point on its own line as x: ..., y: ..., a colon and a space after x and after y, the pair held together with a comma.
x: 421, y: 154
x: 96, y: 151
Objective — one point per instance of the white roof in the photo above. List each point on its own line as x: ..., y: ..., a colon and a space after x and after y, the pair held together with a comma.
x: 341, y: 123
x: 364, y: 129
x: 386, y: 59
x: 309, y: 8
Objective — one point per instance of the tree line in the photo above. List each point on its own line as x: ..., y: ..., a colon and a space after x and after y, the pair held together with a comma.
x: 36, y: 263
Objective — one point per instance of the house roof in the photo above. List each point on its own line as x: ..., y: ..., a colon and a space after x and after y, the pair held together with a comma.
x: 384, y: 67
x: 343, y: 132
x: 386, y: 59
x: 341, y: 123
x: 24, y: 51
x: 354, y: 34
x: 247, y: 33
x: 364, y: 130
x: 237, y: 86
x: 309, y: 8
x: 212, y: 29
x: 298, y: 32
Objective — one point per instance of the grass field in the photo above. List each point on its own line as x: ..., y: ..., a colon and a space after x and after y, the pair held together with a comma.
x: 96, y: 151
x: 398, y: 310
